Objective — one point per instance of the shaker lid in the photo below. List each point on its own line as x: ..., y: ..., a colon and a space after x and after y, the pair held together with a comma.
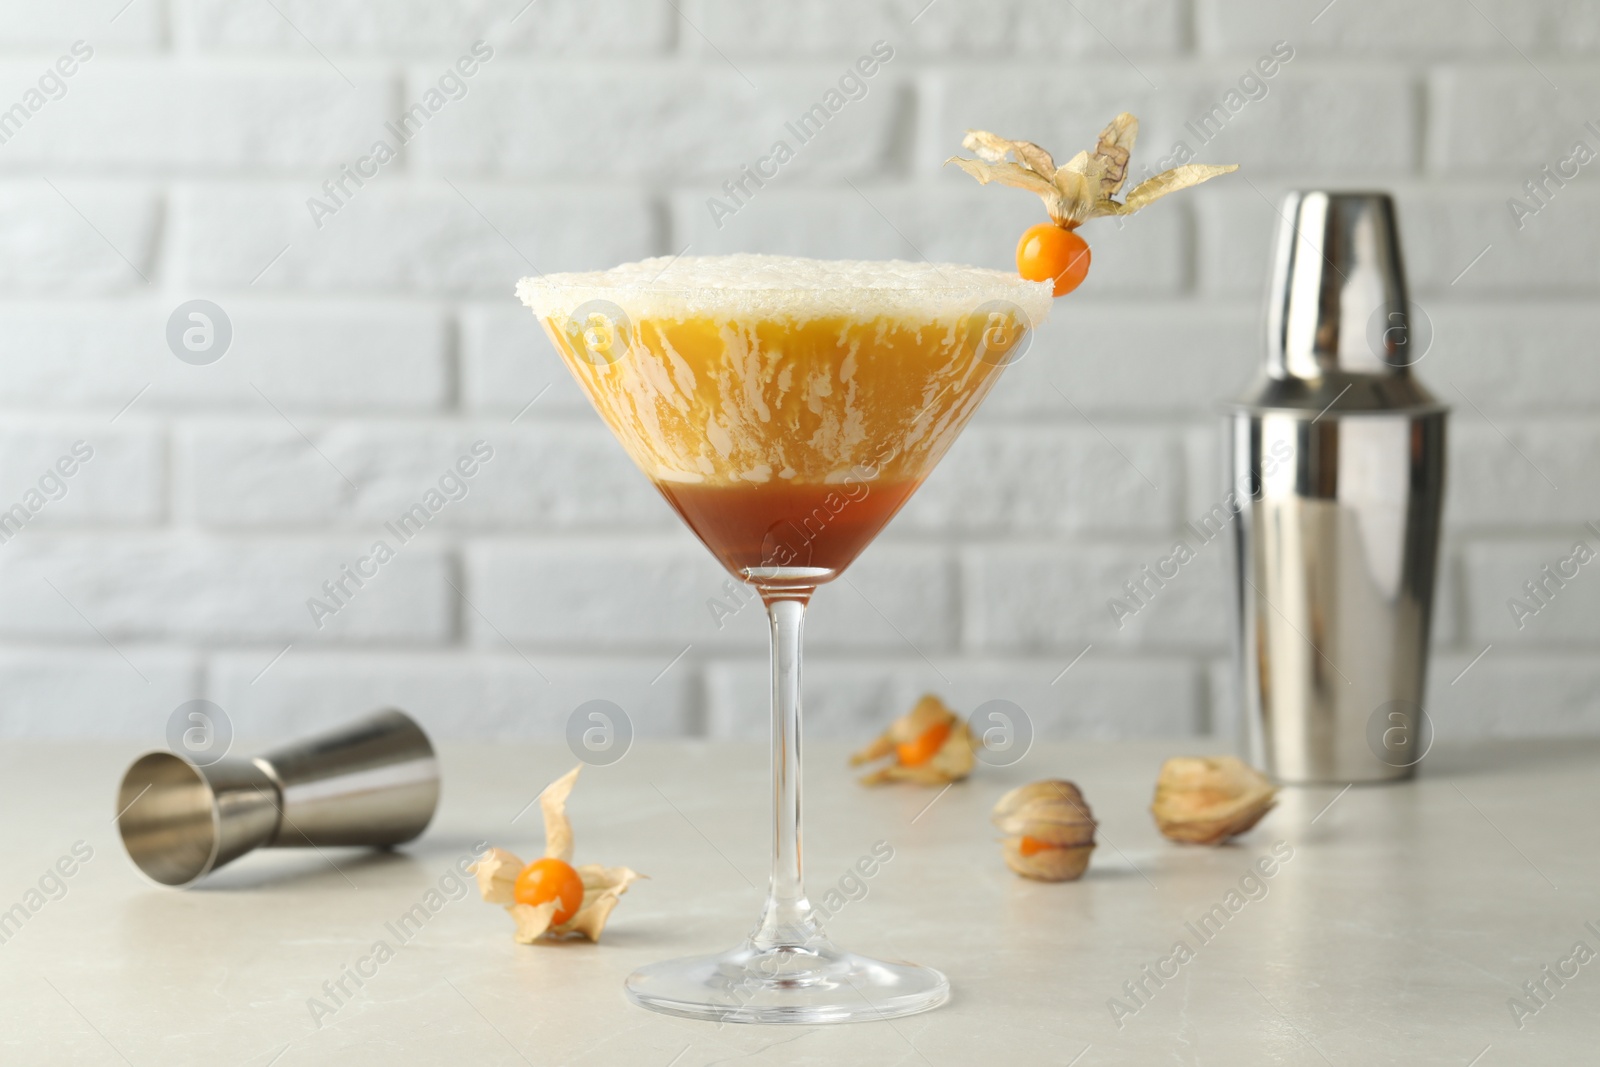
x: 1340, y: 332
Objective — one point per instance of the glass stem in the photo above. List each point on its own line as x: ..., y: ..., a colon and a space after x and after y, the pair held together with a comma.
x: 788, y: 919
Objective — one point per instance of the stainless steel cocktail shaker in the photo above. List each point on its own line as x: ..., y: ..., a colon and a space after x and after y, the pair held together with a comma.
x: 1336, y: 467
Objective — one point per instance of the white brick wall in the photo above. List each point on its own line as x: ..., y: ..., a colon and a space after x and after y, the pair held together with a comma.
x: 371, y: 351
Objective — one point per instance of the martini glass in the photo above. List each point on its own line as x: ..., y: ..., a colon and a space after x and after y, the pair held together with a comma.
x: 786, y: 408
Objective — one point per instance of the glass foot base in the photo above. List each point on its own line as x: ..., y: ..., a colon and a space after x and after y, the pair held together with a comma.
x: 815, y: 983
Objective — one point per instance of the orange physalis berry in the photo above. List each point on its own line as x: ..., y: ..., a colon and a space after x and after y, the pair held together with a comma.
x: 1049, y: 253
x: 1032, y: 845
x: 550, y: 879
x: 916, y: 753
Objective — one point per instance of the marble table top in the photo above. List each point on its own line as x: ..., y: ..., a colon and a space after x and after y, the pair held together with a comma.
x: 1450, y: 920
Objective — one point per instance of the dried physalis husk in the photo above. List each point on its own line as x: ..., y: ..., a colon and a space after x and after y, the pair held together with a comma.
x: 497, y: 877
x: 1049, y: 830
x: 930, y: 744
x: 1204, y: 800
x: 1084, y: 187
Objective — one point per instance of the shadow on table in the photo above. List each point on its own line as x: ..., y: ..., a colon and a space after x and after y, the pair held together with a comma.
x: 432, y: 854
x: 311, y: 868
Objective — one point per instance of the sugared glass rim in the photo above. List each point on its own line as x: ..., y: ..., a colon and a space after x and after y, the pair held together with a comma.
x: 755, y: 286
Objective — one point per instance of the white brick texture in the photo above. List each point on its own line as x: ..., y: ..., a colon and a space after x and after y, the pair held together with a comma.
x: 100, y: 590
x: 262, y: 472
x: 1100, y: 696
x: 484, y: 695
x: 508, y: 365
x: 89, y: 693
x: 198, y: 150
x: 426, y: 28
x: 705, y: 123
x: 226, y: 117
x: 845, y: 27
x: 430, y: 239
x: 88, y: 472
x: 36, y: 29
x: 73, y: 355
x: 1037, y: 597
x: 77, y: 237
x: 1435, y: 29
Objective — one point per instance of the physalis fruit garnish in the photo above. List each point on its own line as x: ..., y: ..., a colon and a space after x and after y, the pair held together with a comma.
x: 1081, y: 189
x: 1204, y: 800
x: 550, y: 898
x: 930, y: 745
x: 1048, y: 828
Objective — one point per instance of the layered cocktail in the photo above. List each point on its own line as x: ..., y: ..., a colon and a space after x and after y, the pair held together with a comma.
x: 786, y: 408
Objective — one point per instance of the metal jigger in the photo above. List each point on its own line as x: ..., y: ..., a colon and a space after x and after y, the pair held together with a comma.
x: 372, y: 782
x: 1336, y: 457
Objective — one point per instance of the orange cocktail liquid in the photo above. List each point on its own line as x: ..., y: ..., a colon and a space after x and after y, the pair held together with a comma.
x: 785, y: 439
x: 779, y: 524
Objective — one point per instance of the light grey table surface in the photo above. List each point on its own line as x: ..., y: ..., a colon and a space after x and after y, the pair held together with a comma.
x: 1406, y: 919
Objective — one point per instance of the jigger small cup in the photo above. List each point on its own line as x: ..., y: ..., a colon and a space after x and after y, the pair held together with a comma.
x: 372, y: 782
